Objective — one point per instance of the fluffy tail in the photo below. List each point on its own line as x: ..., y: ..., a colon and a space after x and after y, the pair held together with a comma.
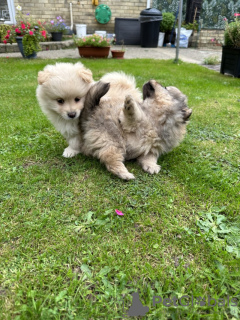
x: 95, y: 93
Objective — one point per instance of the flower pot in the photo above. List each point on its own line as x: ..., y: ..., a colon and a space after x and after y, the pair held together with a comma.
x: 56, y: 36
x: 117, y: 54
x: 230, y: 62
x: 161, y: 39
x: 168, y: 38
x: 20, y: 46
x: 94, y: 52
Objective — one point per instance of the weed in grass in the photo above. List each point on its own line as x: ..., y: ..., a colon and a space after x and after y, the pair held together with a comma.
x: 212, y: 60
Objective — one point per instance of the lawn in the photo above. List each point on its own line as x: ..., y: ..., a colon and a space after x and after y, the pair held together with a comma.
x: 66, y: 254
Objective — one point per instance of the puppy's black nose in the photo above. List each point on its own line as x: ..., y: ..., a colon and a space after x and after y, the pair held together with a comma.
x: 72, y: 114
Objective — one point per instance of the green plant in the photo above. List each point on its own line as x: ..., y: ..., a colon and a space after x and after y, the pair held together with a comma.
x: 30, y: 44
x: 113, y: 42
x: 57, y: 25
x: 190, y: 26
x: 3, y: 31
x: 215, y: 227
x: 31, y: 31
x: 212, y: 60
x: 94, y: 40
x: 167, y: 22
x: 232, y: 32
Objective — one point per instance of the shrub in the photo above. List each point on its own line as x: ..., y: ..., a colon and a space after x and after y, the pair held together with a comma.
x: 232, y: 33
x: 167, y: 22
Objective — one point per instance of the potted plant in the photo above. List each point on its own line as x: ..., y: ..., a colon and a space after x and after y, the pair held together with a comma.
x: 57, y: 28
x: 230, y: 62
x: 93, y: 46
x: 166, y: 26
x: 117, y: 53
x: 27, y: 32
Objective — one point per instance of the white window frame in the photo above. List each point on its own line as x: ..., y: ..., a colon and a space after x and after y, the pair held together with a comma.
x: 12, y: 13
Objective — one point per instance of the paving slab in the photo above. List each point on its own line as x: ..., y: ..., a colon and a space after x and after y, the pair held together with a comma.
x: 190, y: 55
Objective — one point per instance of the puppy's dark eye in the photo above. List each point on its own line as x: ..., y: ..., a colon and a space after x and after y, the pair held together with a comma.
x: 60, y: 101
x: 77, y: 99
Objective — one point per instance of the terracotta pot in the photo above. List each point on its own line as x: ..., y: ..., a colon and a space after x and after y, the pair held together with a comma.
x: 117, y: 54
x: 94, y: 52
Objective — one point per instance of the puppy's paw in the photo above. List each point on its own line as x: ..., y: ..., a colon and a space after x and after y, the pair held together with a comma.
x: 69, y: 152
x: 151, y: 168
x: 127, y: 176
x: 129, y: 105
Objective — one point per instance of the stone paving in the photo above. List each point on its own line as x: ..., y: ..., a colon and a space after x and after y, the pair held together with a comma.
x: 190, y: 55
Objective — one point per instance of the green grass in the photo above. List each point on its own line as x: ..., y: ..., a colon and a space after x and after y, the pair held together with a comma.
x: 65, y: 254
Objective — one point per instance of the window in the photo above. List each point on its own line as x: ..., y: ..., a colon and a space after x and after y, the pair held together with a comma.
x: 7, y: 11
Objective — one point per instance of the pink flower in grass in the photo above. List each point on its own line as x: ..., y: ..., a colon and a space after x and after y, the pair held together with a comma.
x: 119, y: 212
x: 93, y: 40
x: 236, y: 14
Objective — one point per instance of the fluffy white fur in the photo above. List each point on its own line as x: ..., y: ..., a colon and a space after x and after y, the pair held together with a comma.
x: 61, y: 91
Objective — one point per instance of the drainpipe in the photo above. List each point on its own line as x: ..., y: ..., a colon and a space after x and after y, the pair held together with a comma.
x: 71, y: 16
x: 148, y: 3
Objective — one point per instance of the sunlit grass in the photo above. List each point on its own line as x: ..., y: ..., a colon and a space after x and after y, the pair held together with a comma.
x: 64, y: 252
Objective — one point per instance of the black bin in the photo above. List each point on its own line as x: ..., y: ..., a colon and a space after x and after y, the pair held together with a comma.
x: 150, y: 20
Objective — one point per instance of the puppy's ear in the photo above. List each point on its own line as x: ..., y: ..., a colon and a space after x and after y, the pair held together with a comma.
x: 43, y: 76
x: 148, y: 90
x: 86, y: 75
x: 186, y: 113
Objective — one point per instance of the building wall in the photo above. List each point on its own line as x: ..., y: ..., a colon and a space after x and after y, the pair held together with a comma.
x: 207, y: 38
x: 83, y: 11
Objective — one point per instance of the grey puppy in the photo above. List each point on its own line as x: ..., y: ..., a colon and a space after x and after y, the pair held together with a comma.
x: 116, y: 125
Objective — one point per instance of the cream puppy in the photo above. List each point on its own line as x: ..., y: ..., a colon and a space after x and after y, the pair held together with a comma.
x: 61, y: 92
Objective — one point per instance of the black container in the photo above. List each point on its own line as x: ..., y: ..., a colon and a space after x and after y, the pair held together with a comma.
x: 150, y: 20
x: 127, y: 31
x: 230, y: 62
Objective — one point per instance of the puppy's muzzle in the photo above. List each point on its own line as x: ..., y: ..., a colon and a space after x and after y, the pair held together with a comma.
x: 72, y: 115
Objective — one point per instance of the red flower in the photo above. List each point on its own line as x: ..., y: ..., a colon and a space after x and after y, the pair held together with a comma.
x: 5, y: 41
x: 31, y: 33
x: 17, y: 30
x: 23, y: 26
x: 7, y: 36
x: 44, y: 33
